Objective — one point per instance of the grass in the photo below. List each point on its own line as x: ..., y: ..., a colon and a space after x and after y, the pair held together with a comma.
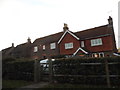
x: 21, y: 83
x: 14, y: 83
x: 71, y: 86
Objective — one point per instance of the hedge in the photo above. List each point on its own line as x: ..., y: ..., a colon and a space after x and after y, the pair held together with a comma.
x: 86, y: 70
x: 18, y: 70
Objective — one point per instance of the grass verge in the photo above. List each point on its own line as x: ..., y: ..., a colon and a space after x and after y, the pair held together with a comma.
x: 14, y: 83
x: 72, y: 86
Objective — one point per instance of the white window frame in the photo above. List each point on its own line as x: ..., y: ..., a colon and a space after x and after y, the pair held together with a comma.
x: 35, y: 49
x: 52, y: 45
x: 96, y: 42
x: 43, y: 47
x: 98, y: 54
x: 103, y: 55
x: 69, y: 45
x: 95, y: 55
x: 82, y: 44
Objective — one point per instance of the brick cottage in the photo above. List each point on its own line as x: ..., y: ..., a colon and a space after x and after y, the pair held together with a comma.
x: 94, y: 42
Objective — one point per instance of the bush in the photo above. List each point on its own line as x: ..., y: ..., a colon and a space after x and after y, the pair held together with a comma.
x: 86, y: 70
x: 18, y: 70
x: 58, y: 56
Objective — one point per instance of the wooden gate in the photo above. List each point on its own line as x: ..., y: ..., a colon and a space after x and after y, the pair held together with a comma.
x: 43, y: 70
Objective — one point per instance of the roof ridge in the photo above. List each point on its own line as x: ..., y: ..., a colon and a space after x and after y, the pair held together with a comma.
x: 21, y: 44
x: 92, y: 28
x: 47, y: 36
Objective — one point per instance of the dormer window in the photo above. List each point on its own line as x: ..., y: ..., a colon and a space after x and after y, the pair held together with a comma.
x: 35, y: 49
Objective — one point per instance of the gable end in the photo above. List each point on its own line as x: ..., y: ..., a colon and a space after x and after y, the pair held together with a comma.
x: 67, y: 31
x: 81, y: 50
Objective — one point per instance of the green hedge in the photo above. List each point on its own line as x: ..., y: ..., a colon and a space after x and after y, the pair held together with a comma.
x: 83, y: 70
x: 17, y: 70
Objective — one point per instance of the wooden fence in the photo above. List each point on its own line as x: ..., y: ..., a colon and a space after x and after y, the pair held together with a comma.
x: 110, y: 77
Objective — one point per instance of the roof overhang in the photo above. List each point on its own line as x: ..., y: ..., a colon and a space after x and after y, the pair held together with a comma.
x: 81, y: 50
x: 116, y: 54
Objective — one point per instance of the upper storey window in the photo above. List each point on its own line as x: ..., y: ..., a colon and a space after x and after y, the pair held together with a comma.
x: 68, y: 45
x: 43, y: 47
x: 82, y: 44
x: 52, y: 46
x: 35, y: 49
x: 96, y: 42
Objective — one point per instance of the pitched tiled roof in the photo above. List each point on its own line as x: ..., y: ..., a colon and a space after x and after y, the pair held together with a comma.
x: 93, y: 32
x: 21, y: 47
x: 22, y: 50
x: 7, y: 50
x: 50, y: 38
x: 85, y: 34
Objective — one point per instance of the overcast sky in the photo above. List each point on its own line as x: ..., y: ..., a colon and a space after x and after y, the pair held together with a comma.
x: 20, y: 19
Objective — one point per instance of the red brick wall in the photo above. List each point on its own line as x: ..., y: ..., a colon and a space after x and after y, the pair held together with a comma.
x: 68, y: 39
x: 107, y: 45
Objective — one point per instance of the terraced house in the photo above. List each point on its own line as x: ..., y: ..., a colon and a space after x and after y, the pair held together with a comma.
x: 94, y: 42
x: 20, y: 51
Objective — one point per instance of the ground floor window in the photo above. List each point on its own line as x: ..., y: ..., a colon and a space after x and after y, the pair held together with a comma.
x: 101, y: 54
x: 94, y: 55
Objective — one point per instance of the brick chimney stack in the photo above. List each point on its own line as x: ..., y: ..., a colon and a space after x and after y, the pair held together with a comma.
x: 110, y: 21
x: 12, y: 44
x: 29, y: 40
x: 65, y: 27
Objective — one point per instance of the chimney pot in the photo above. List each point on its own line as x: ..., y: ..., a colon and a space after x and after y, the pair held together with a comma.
x: 65, y: 27
x: 110, y: 20
x: 12, y: 44
x: 29, y: 40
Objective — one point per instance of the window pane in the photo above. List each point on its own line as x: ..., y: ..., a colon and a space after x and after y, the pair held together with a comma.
x: 68, y: 45
x: 82, y: 44
x: 52, y: 46
x: 101, y: 54
x: 43, y: 47
x: 35, y: 49
x: 96, y: 42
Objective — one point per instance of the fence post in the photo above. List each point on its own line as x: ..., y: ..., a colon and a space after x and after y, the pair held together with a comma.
x: 50, y: 70
x: 107, y: 73
x: 39, y: 71
x: 36, y: 71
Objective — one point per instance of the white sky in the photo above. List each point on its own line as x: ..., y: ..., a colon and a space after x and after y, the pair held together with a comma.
x: 20, y: 19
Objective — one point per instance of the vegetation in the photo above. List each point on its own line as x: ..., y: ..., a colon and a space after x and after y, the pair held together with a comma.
x: 76, y: 72
x: 14, y: 83
x: 18, y: 70
x: 67, y: 85
x: 87, y: 71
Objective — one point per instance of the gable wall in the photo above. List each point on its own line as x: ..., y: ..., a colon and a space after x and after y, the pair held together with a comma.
x: 68, y: 39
